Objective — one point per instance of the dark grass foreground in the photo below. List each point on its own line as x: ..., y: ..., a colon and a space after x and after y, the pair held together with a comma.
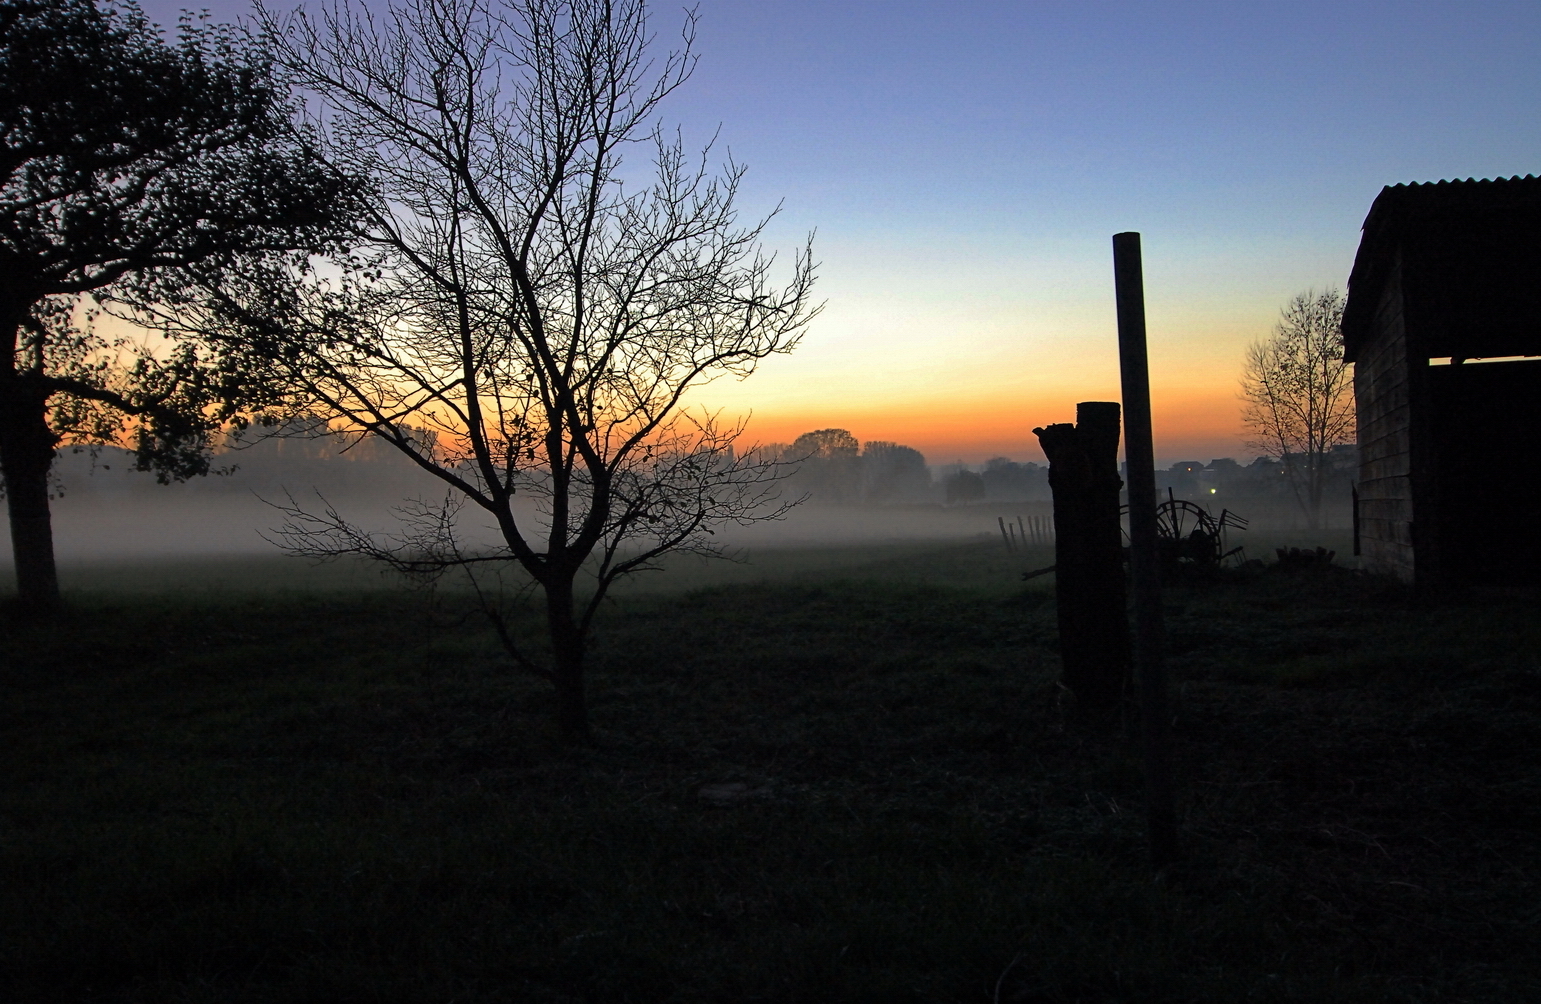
x: 839, y: 792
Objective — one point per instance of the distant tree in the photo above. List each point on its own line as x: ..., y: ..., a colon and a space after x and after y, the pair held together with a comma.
x: 828, y: 465
x: 893, y: 473
x: 1265, y: 477
x: 1298, y: 394
x: 125, y: 156
x: 964, y: 486
x: 540, y: 309
x: 775, y: 451
x: 827, y: 444
x: 1008, y: 480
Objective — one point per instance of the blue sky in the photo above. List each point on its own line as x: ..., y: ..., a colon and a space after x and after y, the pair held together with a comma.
x: 965, y: 164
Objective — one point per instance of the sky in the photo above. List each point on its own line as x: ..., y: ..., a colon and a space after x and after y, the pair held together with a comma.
x: 965, y: 164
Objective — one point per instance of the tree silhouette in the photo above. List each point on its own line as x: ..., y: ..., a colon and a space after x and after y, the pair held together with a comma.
x: 1299, y: 394
x: 829, y: 465
x: 964, y: 486
x: 826, y: 444
x: 512, y: 296
x: 125, y: 156
x: 891, y: 472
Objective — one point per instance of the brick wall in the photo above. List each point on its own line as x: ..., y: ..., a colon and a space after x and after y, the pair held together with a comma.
x: 1381, y: 396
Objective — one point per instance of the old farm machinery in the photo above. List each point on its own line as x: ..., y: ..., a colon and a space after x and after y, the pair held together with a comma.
x: 1191, y: 538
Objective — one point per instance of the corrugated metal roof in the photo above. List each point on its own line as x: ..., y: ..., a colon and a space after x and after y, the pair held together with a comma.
x: 1467, y: 236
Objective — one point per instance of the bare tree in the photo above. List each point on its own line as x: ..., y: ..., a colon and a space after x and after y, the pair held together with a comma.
x: 1298, y: 394
x: 522, y: 318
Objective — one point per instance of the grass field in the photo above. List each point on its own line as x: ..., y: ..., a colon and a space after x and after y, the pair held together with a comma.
x: 832, y: 776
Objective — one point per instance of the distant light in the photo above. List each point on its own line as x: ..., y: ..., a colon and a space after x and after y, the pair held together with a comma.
x: 1211, y: 491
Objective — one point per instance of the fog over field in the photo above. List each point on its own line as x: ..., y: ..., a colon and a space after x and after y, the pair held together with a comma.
x: 105, y: 511
x: 179, y: 521
x: 108, y: 515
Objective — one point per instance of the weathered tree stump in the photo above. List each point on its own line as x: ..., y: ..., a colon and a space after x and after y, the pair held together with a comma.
x: 1088, y: 553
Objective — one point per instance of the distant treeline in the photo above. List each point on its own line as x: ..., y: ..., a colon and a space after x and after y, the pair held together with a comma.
x: 1225, y: 480
x: 829, y: 466
x: 833, y: 467
x: 296, y: 458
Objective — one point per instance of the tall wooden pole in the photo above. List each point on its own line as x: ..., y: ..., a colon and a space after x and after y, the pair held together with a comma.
x: 1129, y: 285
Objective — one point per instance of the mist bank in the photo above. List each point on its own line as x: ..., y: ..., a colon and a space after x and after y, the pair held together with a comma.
x: 105, y: 511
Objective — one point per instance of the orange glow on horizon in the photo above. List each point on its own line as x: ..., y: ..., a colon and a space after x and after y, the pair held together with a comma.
x: 1192, y: 423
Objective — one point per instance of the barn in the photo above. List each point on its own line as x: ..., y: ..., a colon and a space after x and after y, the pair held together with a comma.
x: 1443, y: 325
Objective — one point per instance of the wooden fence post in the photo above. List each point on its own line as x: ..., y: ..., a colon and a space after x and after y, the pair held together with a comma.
x: 1088, y: 553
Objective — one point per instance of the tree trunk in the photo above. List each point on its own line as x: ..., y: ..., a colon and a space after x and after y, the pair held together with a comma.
x: 1088, y: 554
x: 26, y: 455
x: 567, y: 649
x: 1317, y: 473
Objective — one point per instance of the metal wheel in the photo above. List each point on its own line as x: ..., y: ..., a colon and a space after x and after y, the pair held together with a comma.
x: 1188, y: 535
x: 1178, y: 519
